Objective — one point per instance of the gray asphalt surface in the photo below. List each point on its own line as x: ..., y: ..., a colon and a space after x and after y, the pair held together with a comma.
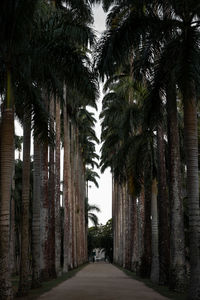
x: 101, y: 281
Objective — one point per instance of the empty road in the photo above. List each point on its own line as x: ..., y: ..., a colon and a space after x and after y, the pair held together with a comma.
x: 101, y: 281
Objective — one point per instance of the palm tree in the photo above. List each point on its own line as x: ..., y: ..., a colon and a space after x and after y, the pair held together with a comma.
x: 57, y: 189
x: 24, y: 259
x: 38, y: 75
x: 163, y: 207
x: 64, y: 21
x: 120, y: 123
x: 36, y: 216
x: 46, y: 73
x: 182, y: 41
x: 13, y: 38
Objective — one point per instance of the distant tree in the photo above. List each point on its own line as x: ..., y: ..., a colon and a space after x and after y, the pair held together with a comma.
x: 106, y: 239
x: 101, y: 237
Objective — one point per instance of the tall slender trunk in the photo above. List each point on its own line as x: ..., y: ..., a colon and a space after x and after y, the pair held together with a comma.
x: 131, y: 229
x: 124, y: 225
x: 25, y: 232
x: 57, y: 193
x: 128, y: 248
x: 51, y: 191
x: 117, y: 221
x: 70, y: 199
x: 12, y: 228
x: 145, y: 269
x: 77, y: 198
x: 6, y: 171
x: 163, y: 205
x: 82, y: 202
x: 44, y: 202
x: 66, y: 186
x: 191, y: 147
x: 73, y: 170
x: 121, y: 226
x: 154, y: 230
x: 140, y: 226
x: 114, y: 217
x: 177, y: 240
x: 135, y: 256
x: 36, y: 216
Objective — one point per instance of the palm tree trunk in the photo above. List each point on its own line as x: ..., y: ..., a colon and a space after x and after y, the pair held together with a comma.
x: 135, y: 258
x: 6, y: 171
x: 145, y: 269
x: 57, y: 194
x: 131, y: 230
x: 82, y: 199
x: 12, y: 228
x: 77, y: 197
x: 154, y: 226
x: 51, y: 190
x: 114, y: 217
x: 191, y: 147
x: 70, y: 199
x: 163, y: 205
x: 128, y: 249
x: 121, y: 226
x: 36, y: 216
x: 25, y: 236
x: 177, y: 240
x: 66, y: 186
x: 140, y: 225
x: 117, y: 201
x: 44, y: 202
x: 73, y: 170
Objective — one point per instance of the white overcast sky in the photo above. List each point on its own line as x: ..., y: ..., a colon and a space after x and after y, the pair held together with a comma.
x: 102, y: 196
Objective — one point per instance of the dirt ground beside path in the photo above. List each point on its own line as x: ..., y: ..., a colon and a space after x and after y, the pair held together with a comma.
x: 101, y: 281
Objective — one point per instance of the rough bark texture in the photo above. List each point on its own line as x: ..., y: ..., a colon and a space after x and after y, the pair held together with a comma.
x: 114, y: 217
x: 163, y: 206
x: 44, y: 207
x: 154, y: 226
x: 77, y: 200
x: 177, y: 240
x: 70, y: 199
x: 51, y: 192
x: 140, y: 227
x: 24, y: 284
x: 124, y: 225
x: 57, y: 194
x: 145, y: 268
x: 6, y: 170
x: 73, y: 169
x: 36, y: 217
x: 65, y: 187
x: 135, y: 252
x: 13, y: 267
x: 128, y: 233
x: 131, y: 229
x: 191, y: 147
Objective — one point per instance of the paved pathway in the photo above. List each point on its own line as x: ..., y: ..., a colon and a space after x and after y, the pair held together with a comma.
x: 101, y: 281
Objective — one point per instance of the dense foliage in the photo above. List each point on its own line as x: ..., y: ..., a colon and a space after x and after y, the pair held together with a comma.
x: 101, y: 236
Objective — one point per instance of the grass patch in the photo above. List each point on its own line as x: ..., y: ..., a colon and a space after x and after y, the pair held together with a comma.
x: 163, y: 290
x: 47, y: 285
